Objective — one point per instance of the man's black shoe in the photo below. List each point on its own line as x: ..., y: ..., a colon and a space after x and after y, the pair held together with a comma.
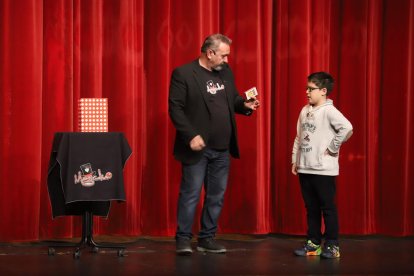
x: 210, y: 245
x: 183, y: 247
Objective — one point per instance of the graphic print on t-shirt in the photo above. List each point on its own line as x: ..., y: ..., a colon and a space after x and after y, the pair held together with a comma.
x: 214, y: 88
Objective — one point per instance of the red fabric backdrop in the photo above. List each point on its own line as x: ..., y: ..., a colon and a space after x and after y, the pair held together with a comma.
x: 53, y: 52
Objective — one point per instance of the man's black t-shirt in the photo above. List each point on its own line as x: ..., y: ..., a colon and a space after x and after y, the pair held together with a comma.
x: 220, y: 124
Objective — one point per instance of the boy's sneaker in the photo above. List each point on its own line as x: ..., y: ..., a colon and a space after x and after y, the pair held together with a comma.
x: 210, y: 245
x: 330, y: 252
x: 309, y: 249
x: 183, y: 247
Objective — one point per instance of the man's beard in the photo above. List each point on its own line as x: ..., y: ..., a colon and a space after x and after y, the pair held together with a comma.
x: 219, y: 67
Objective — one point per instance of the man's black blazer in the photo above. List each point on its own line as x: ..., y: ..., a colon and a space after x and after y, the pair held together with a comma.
x: 189, y: 110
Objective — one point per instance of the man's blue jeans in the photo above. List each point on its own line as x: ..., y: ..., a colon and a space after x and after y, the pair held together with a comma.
x: 213, y: 171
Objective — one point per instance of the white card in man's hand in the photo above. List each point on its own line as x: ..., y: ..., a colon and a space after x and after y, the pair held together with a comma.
x: 251, y: 93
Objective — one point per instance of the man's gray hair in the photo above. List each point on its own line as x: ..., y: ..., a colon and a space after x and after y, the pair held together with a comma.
x: 213, y: 41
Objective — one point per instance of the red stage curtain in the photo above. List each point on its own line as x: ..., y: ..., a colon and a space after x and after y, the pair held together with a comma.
x: 52, y: 52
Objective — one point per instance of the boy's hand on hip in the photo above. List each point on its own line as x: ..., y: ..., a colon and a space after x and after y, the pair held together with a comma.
x: 333, y: 154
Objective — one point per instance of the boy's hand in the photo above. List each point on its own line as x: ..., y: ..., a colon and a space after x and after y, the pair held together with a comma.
x: 333, y: 154
x: 294, y: 169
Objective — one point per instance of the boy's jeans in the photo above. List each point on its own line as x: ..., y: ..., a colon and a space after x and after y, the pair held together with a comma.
x: 318, y: 192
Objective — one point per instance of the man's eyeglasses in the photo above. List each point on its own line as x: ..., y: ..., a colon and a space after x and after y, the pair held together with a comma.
x: 310, y: 89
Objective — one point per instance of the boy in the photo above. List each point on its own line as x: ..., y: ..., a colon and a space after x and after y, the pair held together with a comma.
x: 321, y: 130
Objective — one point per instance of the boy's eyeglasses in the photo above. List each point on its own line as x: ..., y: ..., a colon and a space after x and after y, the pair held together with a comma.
x: 310, y: 89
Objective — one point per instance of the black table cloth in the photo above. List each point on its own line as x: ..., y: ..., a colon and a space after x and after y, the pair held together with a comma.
x: 86, y: 172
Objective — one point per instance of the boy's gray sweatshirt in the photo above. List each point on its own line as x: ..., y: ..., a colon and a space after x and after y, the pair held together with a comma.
x: 319, y: 129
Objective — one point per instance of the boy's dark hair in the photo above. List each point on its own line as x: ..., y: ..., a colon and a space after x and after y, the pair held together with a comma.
x: 322, y: 80
x: 213, y: 41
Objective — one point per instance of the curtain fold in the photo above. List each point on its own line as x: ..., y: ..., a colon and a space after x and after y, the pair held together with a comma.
x: 53, y: 52
x: 21, y: 118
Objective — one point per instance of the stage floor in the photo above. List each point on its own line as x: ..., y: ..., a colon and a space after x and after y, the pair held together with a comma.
x: 247, y: 255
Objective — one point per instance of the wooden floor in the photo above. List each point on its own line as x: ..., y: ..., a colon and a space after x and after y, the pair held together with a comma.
x: 247, y: 255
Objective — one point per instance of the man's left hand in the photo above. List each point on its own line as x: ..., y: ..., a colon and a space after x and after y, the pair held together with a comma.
x: 252, y: 104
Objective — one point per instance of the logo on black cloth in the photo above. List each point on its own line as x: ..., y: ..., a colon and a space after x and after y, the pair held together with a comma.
x: 213, y: 88
x: 87, y: 176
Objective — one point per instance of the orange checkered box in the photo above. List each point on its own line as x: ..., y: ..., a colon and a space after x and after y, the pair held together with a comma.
x: 93, y: 114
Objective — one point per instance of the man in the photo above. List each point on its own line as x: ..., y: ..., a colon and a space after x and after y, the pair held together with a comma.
x: 202, y: 102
